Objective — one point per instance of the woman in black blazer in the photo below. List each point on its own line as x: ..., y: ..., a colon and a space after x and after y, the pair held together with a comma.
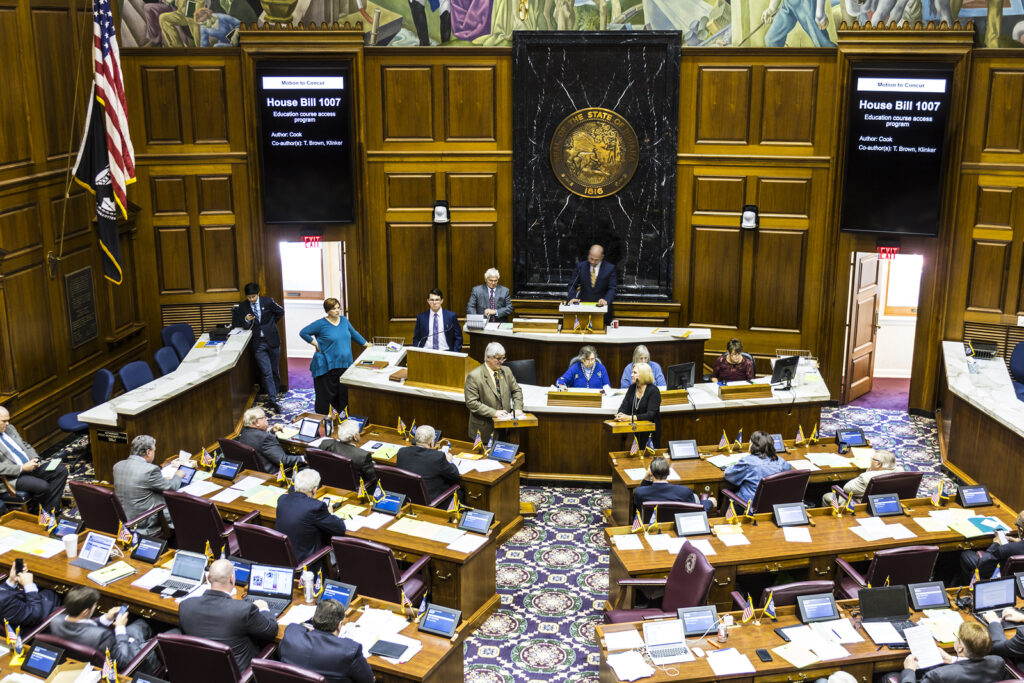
x: 642, y: 402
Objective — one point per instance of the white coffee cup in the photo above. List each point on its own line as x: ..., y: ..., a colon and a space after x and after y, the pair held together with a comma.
x: 71, y: 545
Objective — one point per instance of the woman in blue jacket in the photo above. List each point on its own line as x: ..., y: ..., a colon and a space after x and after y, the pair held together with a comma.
x: 332, y: 337
x: 585, y: 371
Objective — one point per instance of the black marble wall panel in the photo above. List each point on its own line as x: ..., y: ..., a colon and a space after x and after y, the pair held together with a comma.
x: 556, y: 73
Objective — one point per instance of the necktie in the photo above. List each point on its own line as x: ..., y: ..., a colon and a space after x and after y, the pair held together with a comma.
x: 593, y: 277
x: 436, y: 326
x: 256, y: 311
x: 497, y: 385
x: 492, y: 300
x: 14, y: 448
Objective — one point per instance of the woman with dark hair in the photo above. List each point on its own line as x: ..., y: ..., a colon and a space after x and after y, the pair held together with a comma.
x: 332, y: 337
x: 762, y: 461
x: 586, y: 371
x: 733, y: 365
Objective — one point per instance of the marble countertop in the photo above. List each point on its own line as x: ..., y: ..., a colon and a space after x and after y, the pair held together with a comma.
x: 197, y: 367
x: 990, y: 390
x: 622, y: 335
x: 702, y: 396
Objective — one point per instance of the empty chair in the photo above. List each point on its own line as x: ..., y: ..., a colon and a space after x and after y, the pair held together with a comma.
x: 189, y: 659
x: 894, y: 566
x: 268, y: 546
x: 184, y: 328
x: 412, y: 485
x: 181, y: 344
x: 786, y: 593
x: 135, y: 374
x: 166, y: 360
x: 1017, y: 369
x: 236, y: 450
x: 781, y: 487
x: 667, y: 509
x: 1014, y: 564
x: 198, y: 522
x: 12, y: 498
x: 269, y: 671
x: 101, y: 509
x: 335, y: 469
x: 372, y: 567
x: 687, y: 585
x: 102, y: 388
x: 525, y: 371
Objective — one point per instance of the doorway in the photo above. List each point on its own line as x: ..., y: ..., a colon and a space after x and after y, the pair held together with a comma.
x: 881, y: 323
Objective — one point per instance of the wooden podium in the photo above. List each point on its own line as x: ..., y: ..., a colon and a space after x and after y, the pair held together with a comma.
x: 639, y: 426
x: 444, y: 370
x: 521, y: 420
x: 591, y: 319
x: 742, y: 391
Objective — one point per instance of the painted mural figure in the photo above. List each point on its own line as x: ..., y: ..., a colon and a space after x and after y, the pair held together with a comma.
x: 419, y: 19
x: 783, y: 15
x: 215, y: 28
x: 170, y: 21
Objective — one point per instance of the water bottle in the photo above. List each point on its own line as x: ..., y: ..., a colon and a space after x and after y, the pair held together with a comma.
x: 307, y: 585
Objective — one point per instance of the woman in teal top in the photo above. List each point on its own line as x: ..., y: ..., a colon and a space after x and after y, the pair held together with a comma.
x: 332, y: 338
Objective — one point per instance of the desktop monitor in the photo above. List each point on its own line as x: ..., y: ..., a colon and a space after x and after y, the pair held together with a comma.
x: 784, y: 370
x: 680, y: 376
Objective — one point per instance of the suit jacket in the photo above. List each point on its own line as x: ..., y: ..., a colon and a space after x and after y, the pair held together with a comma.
x: 438, y: 474
x: 339, y: 660
x: 9, y: 464
x: 452, y: 330
x: 25, y: 609
x: 1012, y: 649
x: 236, y: 623
x: 482, y: 401
x: 663, y: 490
x: 604, y: 288
x: 480, y: 301
x: 307, y: 522
x: 649, y: 408
x: 269, y: 449
x: 988, y: 669
x: 139, y: 486
x: 270, y: 313
x: 360, y: 458
x: 92, y: 634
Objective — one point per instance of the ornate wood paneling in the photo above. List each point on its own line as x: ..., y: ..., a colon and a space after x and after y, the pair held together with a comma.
x: 19, y: 226
x: 776, y: 293
x: 723, y: 113
x: 14, y: 143
x: 173, y: 259
x: 994, y: 131
x: 31, y: 335
x: 715, y: 276
x: 987, y: 276
x: 55, y: 66
x: 473, y: 83
x: 412, y: 257
x: 409, y: 190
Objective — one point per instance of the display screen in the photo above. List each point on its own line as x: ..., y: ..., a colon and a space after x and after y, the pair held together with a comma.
x: 65, y: 527
x: 895, y: 148
x: 683, y: 450
x: 817, y: 607
x: 790, y: 514
x: 888, y: 504
x: 342, y: 592
x: 186, y: 474
x: 227, y: 469
x: 148, y: 549
x: 477, y: 521
x: 929, y: 595
x: 41, y: 661
x: 305, y: 137
x: 96, y: 548
x: 691, y: 523
x: 994, y: 594
x: 698, y: 621
x: 439, y: 621
x: 390, y: 504
x: 780, y: 445
x: 974, y: 495
x: 188, y: 566
x: 851, y: 437
x: 271, y: 580
x: 504, y: 452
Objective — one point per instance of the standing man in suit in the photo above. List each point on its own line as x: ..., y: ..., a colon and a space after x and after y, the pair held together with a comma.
x: 306, y: 521
x: 19, y: 461
x: 491, y: 391
x: 437, y: 328
x: 420, y: 458
x: 594, y: 280
x: 976, y: 665
x: 656, y: 487
x: 77, y: 624
x: 22, y: 603
x: 348, y: 434
x: 139, y: 484
x: 260, y: 314
x: 490, y: 299
x: 321, y: 648
x: 256, y: 434
x: 216, y: 615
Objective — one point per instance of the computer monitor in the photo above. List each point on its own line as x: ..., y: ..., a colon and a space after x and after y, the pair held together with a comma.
x: 928, y: 595
x: 683, y: 449
x: 784, y: 370
x: 817, y: 607
x: 973, y: 496
x: 680, y: 376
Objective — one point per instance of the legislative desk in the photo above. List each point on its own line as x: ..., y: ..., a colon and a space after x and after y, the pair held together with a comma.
x: 202, y: 400
x: 571, y: 443
x: 552, y: 351
x: 983, y: 424
x: 703, y: 477
x: 769, y: 552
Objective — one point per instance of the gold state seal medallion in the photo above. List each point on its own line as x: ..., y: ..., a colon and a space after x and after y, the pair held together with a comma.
x: 594, y: 152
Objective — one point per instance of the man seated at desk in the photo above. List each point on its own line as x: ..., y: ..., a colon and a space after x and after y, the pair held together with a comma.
x: 22, y: 603
x: 421, y: 458
x: 656, y: 487
x: 345, y: 444
x: 306, y: 521
x: 976, y: 665
x: 139, y: 484
x: 986, y: 561
x: 491, y: 300
x: 77, y: 625
x: 586, y: 371
x: 318, y: 647
x: 256, y: 434
x: 882, y: 462
x: 20, y: 463
x: 491, y: 391
x: 594, y: 280
x: 437, y: 328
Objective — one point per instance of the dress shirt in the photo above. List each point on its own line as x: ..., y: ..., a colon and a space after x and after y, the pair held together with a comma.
x: 14, y: 448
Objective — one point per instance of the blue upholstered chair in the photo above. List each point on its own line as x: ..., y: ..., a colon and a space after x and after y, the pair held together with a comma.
x: 1017, y: 369
x: 181, y: 344
x: 184, y: 328
x: 166, y: 360
x: 102, y: 388
x: 135, y: 374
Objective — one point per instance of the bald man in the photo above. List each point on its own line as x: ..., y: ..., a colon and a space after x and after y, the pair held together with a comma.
x: 594, y: 280
x: 20, y: 463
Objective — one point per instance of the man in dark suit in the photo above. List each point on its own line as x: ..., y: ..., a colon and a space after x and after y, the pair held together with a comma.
x: 260, y: 314
x: 77, y: 624
x: 656, y: 486
x: 306, y: 521
x: 437, y: 328
x: 256, y: 434
x: 594, y: 280
x: 435, y: 467
x: 490, y: 299
x: 320, y: 648
x: 215, y: 615
x: 986, y: 561
x: 1011, y: 649
x: 20, y: 463
x: 972, y: 643
x: 22, y: 603
x: 348, y: 434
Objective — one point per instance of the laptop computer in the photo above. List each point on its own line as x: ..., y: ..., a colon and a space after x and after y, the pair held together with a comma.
x: 186, y: 572
x: 981, y: 349
x: 665, y: 641
x: 995, y: 595
x: 272, y: 584
x: 95, y: 552
x: 309, y: 430
x: 886, y: 603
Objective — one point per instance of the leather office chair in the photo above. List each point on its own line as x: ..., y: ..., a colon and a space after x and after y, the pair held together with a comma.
x: 904, y: 484
x: 166, y: 360
x: 269, y: 671
x: 910, y: 564
x: 198, y: 522
x: 372, y: 567
x: 525, y: 370
x: 1017, y: 369
x: 687, y: 585
x: 135, y: 374
x: 268, y: 546
x: 12, y: 498
x: 189, y: 659
x: 412, y: 485
x: 181, y: 344
x: 102, y: 388
x: 786, y: 593
x: 247, y: 455
x: 101, y: 509
x: 781, y: 487
x: 184, y: 328
x: 1014, y: 564
x: 335, y: 470
x: 73, y: 649
x: 667, y: 509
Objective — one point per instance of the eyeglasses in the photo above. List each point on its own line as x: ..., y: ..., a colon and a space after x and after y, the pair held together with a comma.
x: 500, y: 359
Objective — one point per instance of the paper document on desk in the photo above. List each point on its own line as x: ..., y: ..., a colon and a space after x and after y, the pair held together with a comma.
x: 297, y: 614
x: 923, y: 646
x: 635, y: 473
x: 797, y: 655
x: 627, y: 542
x: 734, y: 539
x: 729, y: 662
x: 467, y: 543
x: 348, y: 510
x: 966, y: 529
x: 266, y: 495
x: 354, y: 523
x: 722, y: 461
x: 226, y: 496
x: 88, y: 674
x: 247, y: 482
x: 797, y: 534
x: 623, y: 640
x: 882, y: 632
x: 200, y: 488
x: 931, y: 525
x: 804, y: 465
x: 942, y: 623
x: 870, y: 533
x: 701, y: 544
x: 376, y: 520
x: 659, y: 541
x: 287, y: 432
x: 152, y: 578
x: 838, y: 630
x: 950, y: 515
x: 446, y: 534
x: 486, y: 465
x: 629, y: 666
x: 899, y: 532
x: 40, y: 546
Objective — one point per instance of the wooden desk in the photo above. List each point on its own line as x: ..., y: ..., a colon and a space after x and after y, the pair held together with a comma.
x: 703, y: 477
x: 769, y: 552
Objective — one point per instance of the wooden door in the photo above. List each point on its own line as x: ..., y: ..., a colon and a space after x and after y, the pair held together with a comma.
x: 863, y: 328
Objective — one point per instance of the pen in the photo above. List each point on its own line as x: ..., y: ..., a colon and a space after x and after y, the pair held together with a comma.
x: 714, y: 646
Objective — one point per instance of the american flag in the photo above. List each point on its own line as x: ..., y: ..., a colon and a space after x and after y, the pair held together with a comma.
x: 637, y: 523
x: 401, y: 426
x: 723, y: 443
x: 748, y: 611
x: 362, y: 489
x: 124, y: 534
x: 635, y: 448
x: 478, y: 441
x: 799, y: 435
x: 975, y: 578
x: 576, y: 323
x: 109, y: 672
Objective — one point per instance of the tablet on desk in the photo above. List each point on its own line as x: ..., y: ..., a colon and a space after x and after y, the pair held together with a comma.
x: 309, y: 430
x: 928, y: 595
x: 42, y: 659
x: 441, y: 621
x: 477, y: 521
x: 502, y: 451
x: 186, y: 473
x: 851, y: 436
x: 692, y: 523
x: 790, y: 514
x: 336, y: 590
x: 885, y: 505
x: 684, y: 449
x: 65, y: 526
x: 817, y: 607
x: 390, y: 504
x: 779, y: 443
x: 973, y: 496
x: 149, y: 549
x: 228, y: 469
x: 698, y: 621
x: 384, y: 648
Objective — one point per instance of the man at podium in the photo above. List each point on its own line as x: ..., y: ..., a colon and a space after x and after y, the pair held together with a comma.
x: 491, y: 391
x: 594, y: 280
x: 437, y: 328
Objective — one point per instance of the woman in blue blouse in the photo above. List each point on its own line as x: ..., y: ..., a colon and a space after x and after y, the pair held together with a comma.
x: 642, y: 355
x: 332, y: 338
x: 761, y: 462
x: 585, y: 371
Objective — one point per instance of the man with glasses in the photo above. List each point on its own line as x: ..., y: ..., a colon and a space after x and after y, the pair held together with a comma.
x: 882, y: 462
x: 986, y: 561
x: 490, y: 299
x: 491, y: 391
x: 437, y: 328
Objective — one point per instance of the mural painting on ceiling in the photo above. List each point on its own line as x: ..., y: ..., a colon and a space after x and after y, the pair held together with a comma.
x: 714, y: 23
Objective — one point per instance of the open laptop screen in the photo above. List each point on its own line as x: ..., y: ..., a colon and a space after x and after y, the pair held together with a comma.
x: 995, y: 594
x: 267, y: 579
x: 884, y: 602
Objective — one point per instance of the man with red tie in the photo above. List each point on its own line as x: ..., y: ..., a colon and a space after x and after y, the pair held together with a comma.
x: 490, y: 299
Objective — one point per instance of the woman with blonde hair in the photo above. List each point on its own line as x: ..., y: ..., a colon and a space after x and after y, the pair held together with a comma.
x: 642, y: 402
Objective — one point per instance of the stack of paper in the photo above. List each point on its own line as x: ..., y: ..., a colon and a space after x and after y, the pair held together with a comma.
x: 804, y: 465
x: 247, y: 482
x: 730, y: 534
x: 623, y: 640
x: 627, y: 542
x: 200, y: 488
x: 796, y: 654
x: 837, y: 630
x: 922, y: 646
x: 265, y: 495
x: 349, y: 510
x: 723, y: 461
x: 467, y: 543
x: 729, y: 662
x: 297, y: 614
x: 875, y: 528
x: 797, y: 534
x: 629, y: 666
x: 485, y: 465
x: 635, y: 473
x: 152, y: 578
x: 882, y: 632
x: 943, y: 624
x: 823, y: 648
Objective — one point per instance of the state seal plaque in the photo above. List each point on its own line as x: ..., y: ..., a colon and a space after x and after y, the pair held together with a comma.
x: 594, y: 152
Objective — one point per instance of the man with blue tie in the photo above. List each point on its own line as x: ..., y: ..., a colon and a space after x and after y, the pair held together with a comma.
x: 594, y: 280
x: 260, y: 314
x: 437, y: 328
x: 19, y: 460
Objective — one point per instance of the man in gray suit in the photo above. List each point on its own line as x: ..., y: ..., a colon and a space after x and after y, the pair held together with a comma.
x: 140, y: 484
x: 77, y: 624
x: 491, y: 391
x: 19, y: 461
x: 348, y: 435
x: 490, y: 299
